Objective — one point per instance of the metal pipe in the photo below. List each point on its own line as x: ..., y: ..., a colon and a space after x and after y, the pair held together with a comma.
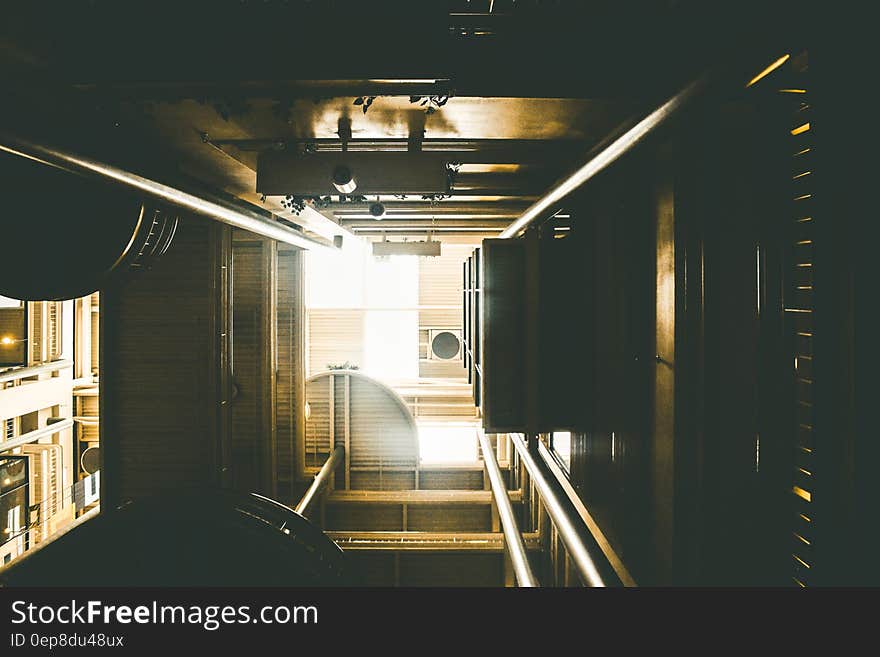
x: 320, y: 482
x: 606, y: 155
x: 590, y: 562
x: 512, y: 536
x: 207, y: 204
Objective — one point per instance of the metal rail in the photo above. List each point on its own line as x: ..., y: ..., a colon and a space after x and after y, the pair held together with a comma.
x: 512, y: 537
x: 586, y: 555
x: 33, y: 370
x: 206, y: 204
x: 320, y: 482
x: 602, y: 156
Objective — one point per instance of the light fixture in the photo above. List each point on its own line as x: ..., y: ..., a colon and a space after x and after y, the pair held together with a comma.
x: 377, y: 210
x: 343, y: 180
x: 6, y: 340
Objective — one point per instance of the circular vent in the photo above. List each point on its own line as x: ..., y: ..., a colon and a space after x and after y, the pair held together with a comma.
x: 445, y: 345
x: 90, y: 461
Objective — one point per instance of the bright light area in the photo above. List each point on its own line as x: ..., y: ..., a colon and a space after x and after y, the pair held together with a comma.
x: 336, y: 277
x: 449, y: 442
x: 391, y: 344
x: 385, y: 290
x: 562, y: 447
x: 6, y: 302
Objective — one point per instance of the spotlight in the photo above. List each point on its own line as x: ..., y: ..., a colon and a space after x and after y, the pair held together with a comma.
x: 377, y: 210
x: 343, y: 180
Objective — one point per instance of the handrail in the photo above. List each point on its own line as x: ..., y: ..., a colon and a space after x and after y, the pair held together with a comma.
x: 205, y: 203
x: 586, y: 555
x: 601, y: 157
x: 36, y: 434
x: 320, y: 482
x: 512, y: 537
x: 33, y: 370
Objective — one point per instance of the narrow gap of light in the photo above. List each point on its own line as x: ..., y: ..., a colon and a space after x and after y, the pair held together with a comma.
x: 802, y: 562
x: 792, y: 91
x: 806, y: 518
x: 806, y: 472
x: 767, y: 71
x: 799, y: 582
x: 801, y: 538
x: 803, y: 197
x: 758, y: 453
x: 801, y: 129
x: 758, y: 278
x: 803, y: 151
x: 801, y: 493
x: 801, y: 175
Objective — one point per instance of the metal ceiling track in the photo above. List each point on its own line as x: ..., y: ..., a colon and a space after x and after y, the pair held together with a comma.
x: 205, y: 204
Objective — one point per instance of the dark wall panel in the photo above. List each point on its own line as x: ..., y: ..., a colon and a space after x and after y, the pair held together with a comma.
x: 159, y: 370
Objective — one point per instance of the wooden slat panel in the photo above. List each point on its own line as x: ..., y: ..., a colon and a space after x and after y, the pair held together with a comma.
x: 335, y: 336
x: 158, y: 385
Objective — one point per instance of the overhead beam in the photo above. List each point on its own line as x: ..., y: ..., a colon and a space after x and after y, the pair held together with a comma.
x: 415, y: 497
x: 394, y: 541
x: 426, y: 223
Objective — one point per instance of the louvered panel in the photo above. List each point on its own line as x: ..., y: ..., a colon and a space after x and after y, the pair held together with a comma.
x: 249, y: 430
x: 450, y: 318
x: 287, y: 406
x: 449, y: 518
x: 363, y: 517
x: 318, y: 424
x: 36, y: 331
x: 451, y: 480
x: 382, y: 433
x: 340, y: 408
x: 451, y: 570
x: 383, y: 480
x: 440, y: 285
x: 335, y: 336
x: 798, y: 301
x: 89, y: 432
x: 89, y: 406
x: 53, y: 328
x: 46, y: 485
x: 445, y: 369
x: 160, y: 374
x: 96, y: 332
